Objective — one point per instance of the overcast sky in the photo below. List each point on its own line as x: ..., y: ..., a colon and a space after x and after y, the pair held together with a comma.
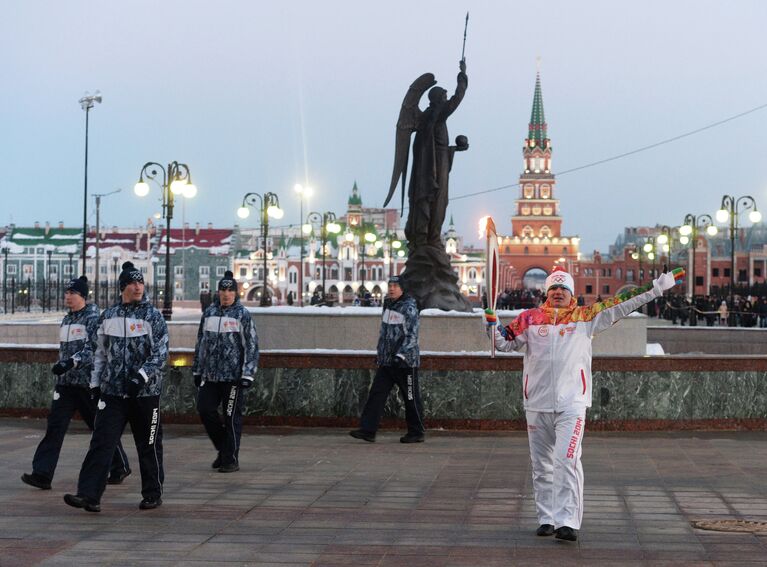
x: 257, y: 96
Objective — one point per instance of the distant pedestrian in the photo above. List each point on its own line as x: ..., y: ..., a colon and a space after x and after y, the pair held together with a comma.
x: 225, y: 363
x: 398, y: 360
x: 130, y: 355
x: 71, y: 392
x: 723, y: 314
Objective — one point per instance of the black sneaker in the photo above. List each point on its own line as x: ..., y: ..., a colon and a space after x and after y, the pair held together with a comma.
x: 411, y: 438
x: 150, y: 503
x: 36, y: 480
x: 231, y: 467
x: 118, y: 478
x: 565, y: 533
x: 545, y: 530
x: 217, y: 463
x: 77, y: 501
x: 359, y: 434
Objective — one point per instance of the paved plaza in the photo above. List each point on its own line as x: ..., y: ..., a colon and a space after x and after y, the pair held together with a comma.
x: 319, y: 497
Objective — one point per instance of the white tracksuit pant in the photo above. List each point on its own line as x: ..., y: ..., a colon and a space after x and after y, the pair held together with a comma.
x: 555, y: 450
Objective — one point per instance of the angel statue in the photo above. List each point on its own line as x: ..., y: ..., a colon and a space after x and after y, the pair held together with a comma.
x: 428, y: 275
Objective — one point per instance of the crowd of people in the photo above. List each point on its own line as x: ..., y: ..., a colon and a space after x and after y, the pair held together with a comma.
x: 711, y: 310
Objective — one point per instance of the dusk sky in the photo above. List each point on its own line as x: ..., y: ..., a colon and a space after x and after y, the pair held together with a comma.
x: 258, y: 96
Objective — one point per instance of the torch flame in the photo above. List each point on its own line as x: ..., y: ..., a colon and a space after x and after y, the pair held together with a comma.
x: 483, y: 226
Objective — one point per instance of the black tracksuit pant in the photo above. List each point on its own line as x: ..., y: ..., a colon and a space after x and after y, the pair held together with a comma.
x: 143, y: 414
x: 385, y: 379
x: 67, y: 400
x: 225, y: 434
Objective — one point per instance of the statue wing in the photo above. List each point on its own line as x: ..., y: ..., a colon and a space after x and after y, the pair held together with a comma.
x: 406, y: 125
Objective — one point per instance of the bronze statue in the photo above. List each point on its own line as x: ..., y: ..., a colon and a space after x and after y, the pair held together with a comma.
x: 428, y: 275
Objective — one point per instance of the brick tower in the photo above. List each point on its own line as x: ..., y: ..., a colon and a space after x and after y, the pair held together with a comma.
x: 536, y: 242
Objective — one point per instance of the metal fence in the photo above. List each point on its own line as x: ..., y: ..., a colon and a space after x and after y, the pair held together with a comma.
x: 27, y: 296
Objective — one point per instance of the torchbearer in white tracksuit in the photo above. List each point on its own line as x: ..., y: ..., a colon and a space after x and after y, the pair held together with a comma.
x: 557, y: 387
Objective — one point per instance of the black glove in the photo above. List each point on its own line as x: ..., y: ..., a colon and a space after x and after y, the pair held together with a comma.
x: 95, y: 392
x: 63, y: 366
x: 246, y: 382
x: 134, y: 384
x: 400, y: 362
x: 197, y: 380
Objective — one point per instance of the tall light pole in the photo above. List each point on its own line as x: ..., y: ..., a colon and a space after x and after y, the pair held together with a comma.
x: 691, y: 225
x: 650, y: 247
x: 98, y: 197
x: 730, y: 211
x: 270, y: 207
x: 328, y: 225
x: 5, y: 278
x: 302, y: 192
x: 176, y: 180
x: 86, y: 103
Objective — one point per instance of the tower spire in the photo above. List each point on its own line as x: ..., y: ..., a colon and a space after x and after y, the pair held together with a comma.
x: 537, y: 135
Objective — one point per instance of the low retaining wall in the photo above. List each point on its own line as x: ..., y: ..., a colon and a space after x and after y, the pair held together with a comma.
x: 354, y: 328
x: 710, y: 340
x: 459, y: 392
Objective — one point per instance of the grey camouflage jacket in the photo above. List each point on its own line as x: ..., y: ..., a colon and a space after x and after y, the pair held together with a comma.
x: 399, y: 333
x: 76, y: 331
x: 227, y: 344
x: 130, y: 338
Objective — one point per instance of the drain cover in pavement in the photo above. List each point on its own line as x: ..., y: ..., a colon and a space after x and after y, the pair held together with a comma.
x: 744, y: 526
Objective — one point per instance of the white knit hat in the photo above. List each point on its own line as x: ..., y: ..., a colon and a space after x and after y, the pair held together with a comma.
x: 559, y: 276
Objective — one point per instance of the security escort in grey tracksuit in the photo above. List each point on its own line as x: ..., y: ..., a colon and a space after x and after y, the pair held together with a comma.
x: 398, y: 360
x: 71, y: 391
x: 225, y: 362
x: 130, y: 356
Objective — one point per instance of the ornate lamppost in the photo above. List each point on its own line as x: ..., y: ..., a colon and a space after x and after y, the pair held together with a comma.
x: 730, y: 209
x: 689, y: 230
x: 302, y: 193
x: 328, y: 225
x: 86, y: 103
x: 269, y: 205
x: 176, y: 180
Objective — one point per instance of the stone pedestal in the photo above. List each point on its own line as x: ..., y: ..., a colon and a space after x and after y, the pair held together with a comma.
x: 429, y: 278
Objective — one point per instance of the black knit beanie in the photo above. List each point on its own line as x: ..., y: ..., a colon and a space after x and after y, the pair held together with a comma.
x: 130, y: 274
x: 78, y: 285
x: 227, y: 282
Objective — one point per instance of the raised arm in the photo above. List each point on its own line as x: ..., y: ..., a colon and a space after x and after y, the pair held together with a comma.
x: 603, y: 315
x: 462, y: 83
x: 510, y: 337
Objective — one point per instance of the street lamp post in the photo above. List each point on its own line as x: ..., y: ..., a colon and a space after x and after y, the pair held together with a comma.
x: 270, y: 207
x: 650, y: 247
x: 5, y: 279
x: 98, y: 197
x: 637, y: 255
x: 730, y: 211
x: 691, y: 225
x: 328, y: 225
x: 302, y: 192
x: 86, y: 103
x: 176, y: 179
x: 394, y: 247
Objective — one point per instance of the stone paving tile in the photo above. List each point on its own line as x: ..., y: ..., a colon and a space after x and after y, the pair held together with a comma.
x: 317, y: 497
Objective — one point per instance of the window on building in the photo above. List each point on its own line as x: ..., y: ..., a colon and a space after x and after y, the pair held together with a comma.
x: 220, y: 271
x: 589, y: 289
x: 89, y: 270
x: 629, y: 275
x: 53, y: 270
x: 143, y: 269
x: 243, y: 271
x: 606, y: 289
x: 527, y: 231
x: 742, y: 276
x: 545, y: 250
x: 757, y: 272
x: 179, y: 286
x: 103, y: 269
x: 698, y: 281
x: 293, y: 276
x: 161, y: 270
x: 27, y: 270
x: 11, y: 269
x: 178, y: 271
x: 204, y: 286
x: 204, y: 271
x: 527, y: 250
x: 715, y: 272
x: 68, y: 270
x: 545, y: 231
x: 727, y: 272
